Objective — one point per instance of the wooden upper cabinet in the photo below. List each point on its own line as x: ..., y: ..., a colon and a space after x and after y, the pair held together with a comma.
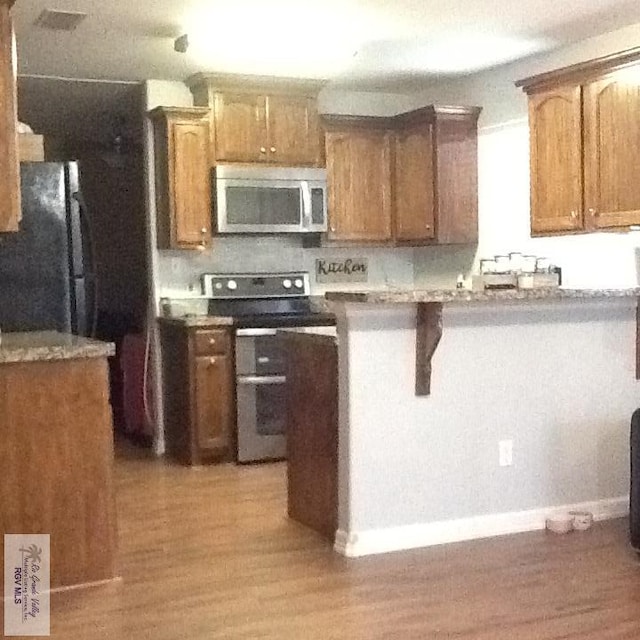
x: 240, y: 127
x: 10, y: 205
x: 258, y: 119
x: 293, y: 130
x: 612, y: 152
x: 413, y: 180
x: 555, y: 131
x: 183, y: 182
x: 359, y: 184
x: 585, y: 145
x: 409, y: 179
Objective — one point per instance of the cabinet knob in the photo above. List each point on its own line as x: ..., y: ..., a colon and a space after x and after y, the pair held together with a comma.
x: 593, y: 212
x: 427, y: 227
x: 212, y: 361
x: 204, y: 230
x: 333, y: 229
x: 202, y: 246
x: 263, y: 150
x: 212, y: 341
x: 574, y: 214
x: 273, y: 149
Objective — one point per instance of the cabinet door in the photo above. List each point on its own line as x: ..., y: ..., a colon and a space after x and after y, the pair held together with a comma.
x: 241, y: 130
x: 413, y: 180
x: 191, y: 184
x: 10, y: 211
x: 555, y: 121
x: 612, y: 152
x: 359, y: 185
x: 213, y: 399
x: 293, y: 130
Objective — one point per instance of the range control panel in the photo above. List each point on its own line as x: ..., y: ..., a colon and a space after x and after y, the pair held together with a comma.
x: 255, y: 285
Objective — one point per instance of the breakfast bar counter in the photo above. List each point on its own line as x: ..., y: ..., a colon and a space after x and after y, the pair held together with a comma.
x: 432, y: 385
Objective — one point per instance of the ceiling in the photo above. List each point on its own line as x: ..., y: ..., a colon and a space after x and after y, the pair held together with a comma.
x: 382, y: 45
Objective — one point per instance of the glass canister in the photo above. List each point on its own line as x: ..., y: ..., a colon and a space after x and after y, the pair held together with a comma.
x: 488, y: 265
x: 543, y: 265
x: 515, y: 262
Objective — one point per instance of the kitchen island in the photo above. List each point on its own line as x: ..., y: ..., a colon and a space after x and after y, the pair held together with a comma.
x: 432, y: 384
x: 57, y: 451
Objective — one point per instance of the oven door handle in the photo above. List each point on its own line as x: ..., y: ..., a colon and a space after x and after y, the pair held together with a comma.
x: 255, y: 332
x: 260, y: 380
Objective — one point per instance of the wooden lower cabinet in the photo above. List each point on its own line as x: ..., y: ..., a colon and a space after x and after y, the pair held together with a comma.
x: 56, y: 431
x: 312, y: 431
x: 199, y: 396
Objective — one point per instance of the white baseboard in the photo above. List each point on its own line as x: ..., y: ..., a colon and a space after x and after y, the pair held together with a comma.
x: 364, y: 543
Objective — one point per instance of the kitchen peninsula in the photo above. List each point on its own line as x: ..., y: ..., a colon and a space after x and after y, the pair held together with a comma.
x: 551, y: 372
x: 57, y: 451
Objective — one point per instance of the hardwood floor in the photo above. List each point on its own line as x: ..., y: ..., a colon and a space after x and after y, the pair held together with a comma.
x: 209, y: 553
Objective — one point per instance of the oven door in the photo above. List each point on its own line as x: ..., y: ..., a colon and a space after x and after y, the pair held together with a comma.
x: 261, y: 417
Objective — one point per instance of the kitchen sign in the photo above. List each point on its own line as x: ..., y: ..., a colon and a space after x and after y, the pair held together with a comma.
x: 347, y: 270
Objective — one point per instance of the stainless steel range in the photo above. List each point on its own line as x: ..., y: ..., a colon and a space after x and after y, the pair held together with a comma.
x: 260, y: 304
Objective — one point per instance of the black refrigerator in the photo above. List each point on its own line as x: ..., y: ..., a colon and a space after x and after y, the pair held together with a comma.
x: 47, y: 280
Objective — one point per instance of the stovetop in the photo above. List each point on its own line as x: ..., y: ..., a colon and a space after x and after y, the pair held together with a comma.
x: 264, y: 300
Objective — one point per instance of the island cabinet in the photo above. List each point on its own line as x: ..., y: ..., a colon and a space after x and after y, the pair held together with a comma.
x: 312, y: 429
x: 10, y: 207
x: 183, y: 183
x: 261, y: 120
x: 198, y: 372
x: 584, y: 125
x: 406, y: 180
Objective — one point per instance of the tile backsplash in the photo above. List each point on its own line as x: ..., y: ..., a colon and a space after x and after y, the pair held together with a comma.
x: 179, y: 271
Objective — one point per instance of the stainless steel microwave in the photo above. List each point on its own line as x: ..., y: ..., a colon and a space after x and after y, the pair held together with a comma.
x: 255, y: 199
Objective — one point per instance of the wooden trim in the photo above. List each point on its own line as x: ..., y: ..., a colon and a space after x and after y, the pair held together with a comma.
x: 578, y: 73
x: 255, y: 84
x: 185, y: 113
x: 332, y: 122
x: 9, y: 160
x: 428, y: 334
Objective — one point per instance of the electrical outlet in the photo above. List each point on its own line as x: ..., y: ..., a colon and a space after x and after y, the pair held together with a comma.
x: 505, y: 453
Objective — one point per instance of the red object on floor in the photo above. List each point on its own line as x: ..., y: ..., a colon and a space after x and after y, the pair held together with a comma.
x: 132, y: 361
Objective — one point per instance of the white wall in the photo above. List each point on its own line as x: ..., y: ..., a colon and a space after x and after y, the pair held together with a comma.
x: 557, y: 378
x: 594, y: 260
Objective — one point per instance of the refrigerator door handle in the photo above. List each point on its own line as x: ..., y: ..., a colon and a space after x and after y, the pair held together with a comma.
x: 90, y: 278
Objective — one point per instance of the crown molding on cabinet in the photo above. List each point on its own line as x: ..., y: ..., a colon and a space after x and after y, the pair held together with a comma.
x: 580, y: 72
x: 255, y: 84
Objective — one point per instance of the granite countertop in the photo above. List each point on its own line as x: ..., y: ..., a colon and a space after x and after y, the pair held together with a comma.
x: 468, y: 296
x: 198, y: 321
x: 42, y: 346
x: 329, y: 331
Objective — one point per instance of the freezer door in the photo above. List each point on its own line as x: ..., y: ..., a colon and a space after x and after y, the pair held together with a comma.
x: 35, y: 287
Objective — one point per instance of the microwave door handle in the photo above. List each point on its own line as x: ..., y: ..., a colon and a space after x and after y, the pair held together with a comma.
x: 306, y: 203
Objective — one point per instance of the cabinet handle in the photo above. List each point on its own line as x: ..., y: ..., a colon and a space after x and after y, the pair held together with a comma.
x: 212, y: 341
x: 212, y: 361
x: 574, y: 214
x: 273, y: 149
x: 263, y: 150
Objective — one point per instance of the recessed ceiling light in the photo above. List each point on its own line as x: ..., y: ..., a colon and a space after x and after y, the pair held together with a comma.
x: 59, y: 20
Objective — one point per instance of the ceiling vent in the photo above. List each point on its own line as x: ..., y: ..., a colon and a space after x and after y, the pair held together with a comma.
x: 60, y: 20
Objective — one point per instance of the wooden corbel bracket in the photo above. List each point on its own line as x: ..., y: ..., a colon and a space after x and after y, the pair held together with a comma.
x: 428, y: 334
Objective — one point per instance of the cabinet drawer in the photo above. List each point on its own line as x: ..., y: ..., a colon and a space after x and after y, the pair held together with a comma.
x: 211, y: 341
